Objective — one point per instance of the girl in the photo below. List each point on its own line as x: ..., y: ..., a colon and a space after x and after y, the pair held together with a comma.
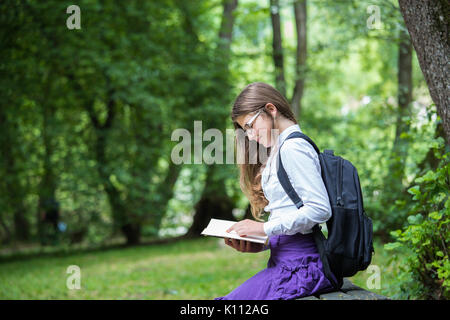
x: 294, y: 269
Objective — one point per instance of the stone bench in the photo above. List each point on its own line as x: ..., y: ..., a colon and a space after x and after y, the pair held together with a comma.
x: 349, y: 291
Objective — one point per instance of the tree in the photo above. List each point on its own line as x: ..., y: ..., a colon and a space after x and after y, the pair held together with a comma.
x: 104, y: 83
x: 277, y: 46
x: 393, y: 189
x: 12, y: 187
x: 300, y: 66
x: 214, y: 201
x: 428, y: 25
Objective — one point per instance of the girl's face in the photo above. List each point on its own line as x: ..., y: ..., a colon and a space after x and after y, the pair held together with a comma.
x: 259, y: 129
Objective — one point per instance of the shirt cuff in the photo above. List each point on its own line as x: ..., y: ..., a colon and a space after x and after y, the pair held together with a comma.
x: 269, y: 227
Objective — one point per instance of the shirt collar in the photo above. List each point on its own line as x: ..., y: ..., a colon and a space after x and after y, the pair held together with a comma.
x: 283, y: 135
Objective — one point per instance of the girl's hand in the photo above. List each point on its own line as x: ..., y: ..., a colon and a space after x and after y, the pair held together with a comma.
x: 248, y: 227
x: 244, y: 246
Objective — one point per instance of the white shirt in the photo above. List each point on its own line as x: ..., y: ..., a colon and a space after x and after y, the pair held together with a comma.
x: 302, y: 165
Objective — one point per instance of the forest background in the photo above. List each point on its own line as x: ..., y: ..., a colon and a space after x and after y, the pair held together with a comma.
x: 90, y: 97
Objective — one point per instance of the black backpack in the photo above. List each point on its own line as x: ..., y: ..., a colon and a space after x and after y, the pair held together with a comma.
x: 348, y: 247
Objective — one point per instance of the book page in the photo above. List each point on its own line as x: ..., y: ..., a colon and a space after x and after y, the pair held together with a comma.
x: 218, y: 227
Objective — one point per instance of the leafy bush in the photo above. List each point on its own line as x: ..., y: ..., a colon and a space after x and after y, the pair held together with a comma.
x: 426, y: 273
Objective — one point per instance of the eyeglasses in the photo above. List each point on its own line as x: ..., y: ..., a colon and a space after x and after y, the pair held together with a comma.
x: 248, y: 127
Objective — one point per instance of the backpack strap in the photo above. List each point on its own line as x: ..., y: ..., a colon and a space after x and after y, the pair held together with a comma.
x: 319, y: 238
x: 282, y: 175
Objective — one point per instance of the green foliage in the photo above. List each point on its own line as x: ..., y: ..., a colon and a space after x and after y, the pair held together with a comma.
x: 426, y: 273
x: 87, y: 115
x: 379, y: 166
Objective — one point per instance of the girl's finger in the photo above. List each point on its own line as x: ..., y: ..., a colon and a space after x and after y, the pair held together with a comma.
x: 235, y: 243
x: 237, y: 229
x: 231, y: 228
x: 248, y: 246
x: 242, y: 245
x: 241, y: 233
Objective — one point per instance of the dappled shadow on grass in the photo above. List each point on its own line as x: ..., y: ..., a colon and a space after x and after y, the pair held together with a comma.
x: 190, y: 269
x: 64, y: 251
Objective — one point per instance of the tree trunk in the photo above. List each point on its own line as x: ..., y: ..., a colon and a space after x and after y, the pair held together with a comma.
x: 300, y: 67
x: 132, y: 232
x: 404, y: 77
x: 7, y: 233
x: 47, y: 187
x: 399, y: 150
x: 393, y: 181
x: 121, y: 221
x: 214, y: 202
x: 226, y: 26
x: 21, y: 225
x: 277, y: 47
x: 428, y: 25
x: 165, y: 190
x: 13, y: 187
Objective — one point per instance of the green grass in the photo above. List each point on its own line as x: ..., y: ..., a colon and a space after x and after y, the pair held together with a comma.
x: 189, y: 269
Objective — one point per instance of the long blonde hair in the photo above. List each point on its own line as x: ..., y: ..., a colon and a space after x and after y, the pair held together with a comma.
x: 252, y: 98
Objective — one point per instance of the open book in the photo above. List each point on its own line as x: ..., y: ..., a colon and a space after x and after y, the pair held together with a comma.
x: 217, y: 228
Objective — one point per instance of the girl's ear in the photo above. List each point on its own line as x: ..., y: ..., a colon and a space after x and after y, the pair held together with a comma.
x: 271, y: 109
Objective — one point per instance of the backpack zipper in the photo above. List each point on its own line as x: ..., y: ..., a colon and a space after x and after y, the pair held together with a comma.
x: 339, y: 200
